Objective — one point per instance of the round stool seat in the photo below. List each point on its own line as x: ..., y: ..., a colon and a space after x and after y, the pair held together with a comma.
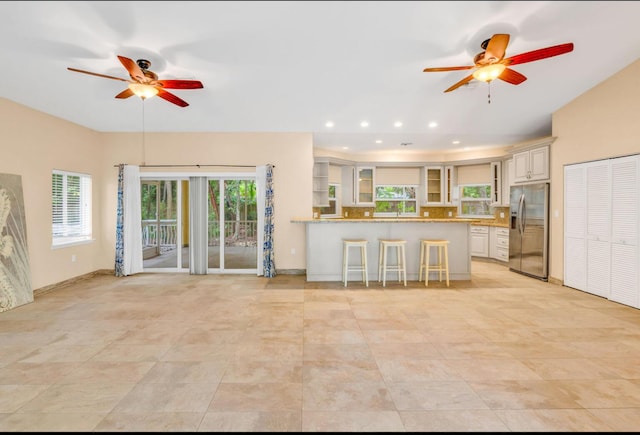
x: 347, y: 267
x: 442, y: 264
x: 401, y: 262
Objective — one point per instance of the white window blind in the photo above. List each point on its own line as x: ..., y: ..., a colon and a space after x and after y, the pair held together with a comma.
x: 71, y: 207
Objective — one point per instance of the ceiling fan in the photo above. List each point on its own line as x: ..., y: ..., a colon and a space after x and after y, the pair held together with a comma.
x: 145, y: 84
x: 491, y: 63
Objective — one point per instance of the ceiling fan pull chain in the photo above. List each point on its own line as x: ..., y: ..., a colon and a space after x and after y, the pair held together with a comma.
x: 489, y: 95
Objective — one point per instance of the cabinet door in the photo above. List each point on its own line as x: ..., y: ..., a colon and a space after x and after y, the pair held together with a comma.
x: 539, y: 163
x: 365, y: 186
x: 625, y: 229
x: 575, y: 218
x: 507, y: 181
x: 348, y: 186
x: 480, y: 241
x: 521, y: 166
x: 449, y: 184
x: 598, y: 228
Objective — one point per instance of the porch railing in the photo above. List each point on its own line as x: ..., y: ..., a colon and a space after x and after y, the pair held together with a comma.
x: 164, y: 233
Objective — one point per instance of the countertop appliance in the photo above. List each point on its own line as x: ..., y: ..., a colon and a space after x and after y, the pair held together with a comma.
x: 529, y: 230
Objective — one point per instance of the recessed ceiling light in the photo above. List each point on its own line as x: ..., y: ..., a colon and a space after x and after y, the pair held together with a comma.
x: 455, y: 142
x: 466, y: 148
x: 364, y: 124
x: 345, y: 148
x: 329, y: 124
x: 397, y: 124
x: 433, y: 124
x: 378, y: 141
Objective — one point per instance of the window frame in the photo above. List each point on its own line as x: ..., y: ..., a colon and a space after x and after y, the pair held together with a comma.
x: 462, y: 199
x: 403, y: 200
x: 64, y: 233
x: 335, y: 199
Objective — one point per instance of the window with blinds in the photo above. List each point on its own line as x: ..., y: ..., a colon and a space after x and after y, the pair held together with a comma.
x: 71, y: 207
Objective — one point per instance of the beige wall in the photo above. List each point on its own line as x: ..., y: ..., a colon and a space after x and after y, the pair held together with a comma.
x: 33, y: 144
x: 601, y: 123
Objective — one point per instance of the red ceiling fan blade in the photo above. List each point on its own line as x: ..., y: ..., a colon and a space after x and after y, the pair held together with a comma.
x: 180, y: 84
x: 134, y: 70
x: 447, y: 68
x: 125, y: 94
x: 511, y: 76
x: 496, y: 48
x: 96, y: 74
x: 460, y: 83
x: 542, y: 53
x: 171, y: 98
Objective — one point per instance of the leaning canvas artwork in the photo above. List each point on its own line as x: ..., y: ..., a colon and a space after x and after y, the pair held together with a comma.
x: 15, y: 275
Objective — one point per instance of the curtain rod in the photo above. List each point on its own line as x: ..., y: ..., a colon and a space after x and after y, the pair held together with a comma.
x: 197, y: 166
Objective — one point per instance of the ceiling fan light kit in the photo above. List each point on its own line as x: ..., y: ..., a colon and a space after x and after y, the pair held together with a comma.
x: 143, y: 91
x: 489, y: 72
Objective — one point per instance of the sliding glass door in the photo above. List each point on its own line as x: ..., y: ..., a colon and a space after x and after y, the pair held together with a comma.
x: 233, y: 219
x: 165, y: 224
x: 231, y: 230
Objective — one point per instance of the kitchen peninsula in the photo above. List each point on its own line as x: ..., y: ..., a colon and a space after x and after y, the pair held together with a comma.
x: 324, y: 244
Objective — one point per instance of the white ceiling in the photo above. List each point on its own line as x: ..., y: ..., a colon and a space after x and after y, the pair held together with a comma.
x: 290, y: 66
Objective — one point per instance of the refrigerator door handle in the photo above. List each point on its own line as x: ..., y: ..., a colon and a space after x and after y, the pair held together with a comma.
x: 520, y: 212
x: 524, y: 213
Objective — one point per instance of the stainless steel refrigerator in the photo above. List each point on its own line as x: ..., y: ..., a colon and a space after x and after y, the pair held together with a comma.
x: 529, y: 230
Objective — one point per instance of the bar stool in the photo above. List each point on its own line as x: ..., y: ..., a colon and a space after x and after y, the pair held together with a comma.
x: 362, y: 267
x: 443, y: 259
x: 400, y: 266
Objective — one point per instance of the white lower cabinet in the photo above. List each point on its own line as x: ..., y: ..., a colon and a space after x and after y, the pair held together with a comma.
x: 499, y: 243
x: 479, y: 240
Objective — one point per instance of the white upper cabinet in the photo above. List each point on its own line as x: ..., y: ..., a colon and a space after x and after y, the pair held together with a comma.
x: 531, y: 165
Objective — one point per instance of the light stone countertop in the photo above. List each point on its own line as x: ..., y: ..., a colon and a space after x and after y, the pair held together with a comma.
x: 385, y: 220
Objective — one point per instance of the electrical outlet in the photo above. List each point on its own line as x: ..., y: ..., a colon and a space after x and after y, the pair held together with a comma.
x: 293, y: 251
x: 346, y: 214
x: 73, y: 258
x: 366, y: 213
x: 501, y: 215
x: 425, y: 214
x: 450, y: 213
x: 315, y: 215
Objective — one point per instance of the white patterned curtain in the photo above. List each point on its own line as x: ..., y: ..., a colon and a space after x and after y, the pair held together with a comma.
x: 264, y: 175
x: 128, y: 222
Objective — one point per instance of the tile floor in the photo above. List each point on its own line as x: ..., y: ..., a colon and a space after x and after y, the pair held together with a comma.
x: 175, y: 352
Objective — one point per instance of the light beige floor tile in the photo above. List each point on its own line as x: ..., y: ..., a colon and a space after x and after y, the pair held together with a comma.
x: 167, y: 397
x: 467, y: 420
x: 20, y: 373
x: 54, y: 422
x: 254, y: 372
x: 150, y: 422
x: 417, y: 370
x: 340, y: 371
x: 257, y: 397
x: 351, y: 421
x: 346, y: 396
x: 185, y: 372
x: 14, y: 397
x: 516, y: 394
x: 617, y: 419
x: 251, y: 421
x: 435, y: 395
x: 552, y: 420
x: 77, y: 398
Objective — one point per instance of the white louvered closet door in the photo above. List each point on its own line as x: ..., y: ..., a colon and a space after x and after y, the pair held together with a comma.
x: 575, y: 215
x: 598, y: 228
x: 625, y: 226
